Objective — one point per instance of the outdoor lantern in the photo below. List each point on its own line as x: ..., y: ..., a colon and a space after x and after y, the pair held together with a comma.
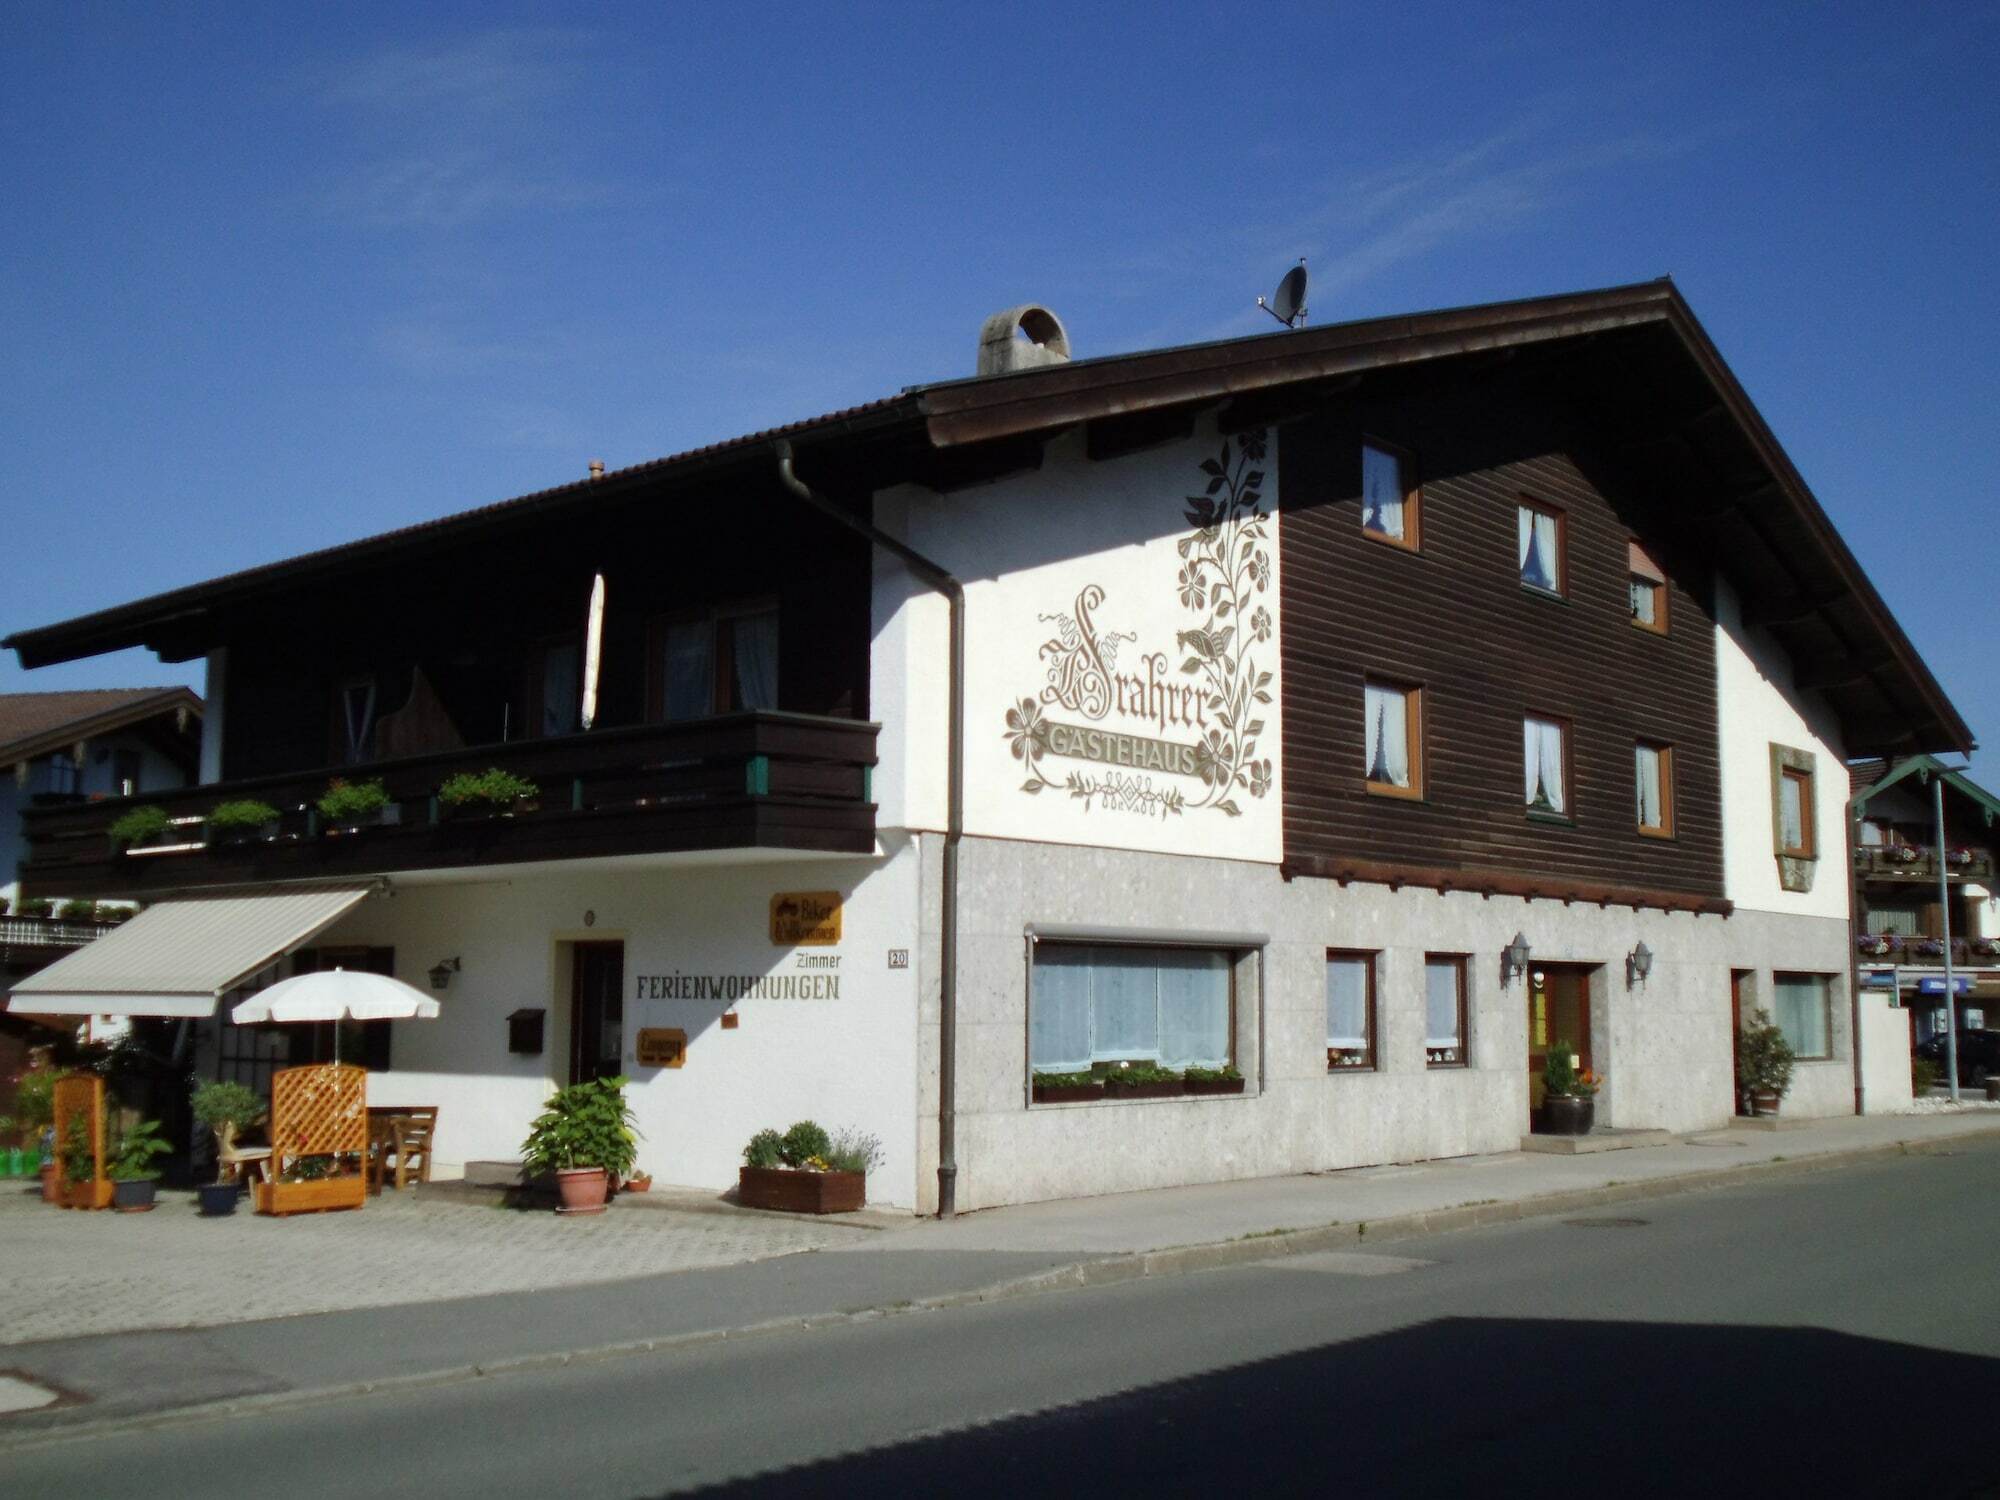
x: 1638, y: 964
x: 1514, y: 958
x: 441, y: 975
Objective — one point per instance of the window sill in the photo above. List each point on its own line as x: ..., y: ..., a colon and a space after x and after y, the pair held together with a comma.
x: 1657, y: 833
x: 1394, y: 793
x: 1401, y: 544
x: 1538, y: 592
x: 1552, y: 819
x: 1104, y: 1101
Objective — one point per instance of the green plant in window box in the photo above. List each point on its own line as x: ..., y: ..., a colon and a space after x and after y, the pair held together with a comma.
x: 805, y: 1170
x: 489, y: 791
x: 1066, y: 1088
x: 1141, y: 1080
x: 242, y: 819
x: 353, y: 804
x: 77, y: 911
x: 1764, y: 1061
x: 1223, y: 1080
x: 35, y: 906
x: 142, y: 825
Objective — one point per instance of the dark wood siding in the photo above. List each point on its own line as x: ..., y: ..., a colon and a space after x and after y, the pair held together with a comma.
x: 1455, y: 619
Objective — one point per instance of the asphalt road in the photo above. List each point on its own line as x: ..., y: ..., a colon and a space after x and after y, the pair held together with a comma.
x: 1836, y: 1333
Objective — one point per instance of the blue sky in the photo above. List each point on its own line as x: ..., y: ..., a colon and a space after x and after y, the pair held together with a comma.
x: 276, y: 277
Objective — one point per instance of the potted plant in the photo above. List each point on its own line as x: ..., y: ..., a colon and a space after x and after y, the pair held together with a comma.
x: 1223, y: 1080
x: 1878, y: 944
x: 77, y: 911
x: 133, y: 1178
x: 1763, y: 1063
x: 35, y: 906
x: 807, y: 1171
x: 585, y: 1137
x: 241, y: 821
x: 1569, y: 1093
x: 1066, y: 1088
x: 111, y: 916
x: 3, y: 906
x: 1140, y: 1080
x: 225, y: 1108
x: 350, y: 806
x: 492, y: 793
x: 35, y: 1112
x: 139, y: 827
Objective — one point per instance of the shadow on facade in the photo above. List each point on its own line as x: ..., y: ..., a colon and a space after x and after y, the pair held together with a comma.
x: 1480, y: 1406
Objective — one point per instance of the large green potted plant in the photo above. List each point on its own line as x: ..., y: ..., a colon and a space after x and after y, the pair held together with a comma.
x: 225, y: 1108
x: 139, y: 827
x: 134, y: 1180
x: 350, y: 806
x: 1569, y: 1093
x: 807, y: 1171
x: 241, y: 820
x: 492, y: 793
x: 1764, y: 1062
x: 585, y: 1137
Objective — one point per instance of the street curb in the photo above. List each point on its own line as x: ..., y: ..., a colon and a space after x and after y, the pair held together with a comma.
x: 1109, y: 1270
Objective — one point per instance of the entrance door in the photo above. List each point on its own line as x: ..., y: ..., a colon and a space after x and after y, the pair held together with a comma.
x: 1558, y: 1011
x: 597, y: 1012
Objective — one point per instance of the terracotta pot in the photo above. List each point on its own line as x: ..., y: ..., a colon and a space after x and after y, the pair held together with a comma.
x: 51, y: 1187
x: 583, y: 1189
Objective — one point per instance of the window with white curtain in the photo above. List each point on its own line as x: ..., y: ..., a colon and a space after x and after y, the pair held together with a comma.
x: 717, y: 663
x: 1392, y: 738
x: 1649, y: 590
x: 1388, y: 499
x: 1653, y: 776
x: 1545, y: 765
x: 1350, y: 1010
x: 1802, y: 1007
x: 1106, y: 1003
x: 1794, y: 813
x: 1541, y: 542
x: 1445, y: 1044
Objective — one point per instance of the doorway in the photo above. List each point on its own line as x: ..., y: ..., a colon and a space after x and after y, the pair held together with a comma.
x: 1558, y: 1011
x: 596, y: 1011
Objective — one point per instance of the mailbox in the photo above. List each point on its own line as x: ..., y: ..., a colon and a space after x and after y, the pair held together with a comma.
x: 524, y: 1031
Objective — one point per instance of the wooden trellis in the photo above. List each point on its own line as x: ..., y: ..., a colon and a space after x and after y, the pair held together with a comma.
x: 80, y: 1097
x: 320, y: 1110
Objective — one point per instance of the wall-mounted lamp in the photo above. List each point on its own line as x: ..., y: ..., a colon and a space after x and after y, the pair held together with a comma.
x: 1638, y: 964
x: 441, y: 975
x: 1514, y: 959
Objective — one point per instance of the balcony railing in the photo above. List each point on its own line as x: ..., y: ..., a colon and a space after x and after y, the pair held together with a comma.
x: 752, y: 780
x: 48, y: 932
x: 1905, y: 862
x: 1927, y: 953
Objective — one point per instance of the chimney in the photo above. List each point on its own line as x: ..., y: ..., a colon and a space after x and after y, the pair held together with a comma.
x: 1022, y: 338
x: 597, y: 468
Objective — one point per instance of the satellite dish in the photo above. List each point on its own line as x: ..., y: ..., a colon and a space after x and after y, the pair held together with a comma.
x: 1288, y: 303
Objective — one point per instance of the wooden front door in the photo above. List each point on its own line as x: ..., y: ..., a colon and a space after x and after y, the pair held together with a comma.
x: 1558, y: 1011
x: 597, y: 1012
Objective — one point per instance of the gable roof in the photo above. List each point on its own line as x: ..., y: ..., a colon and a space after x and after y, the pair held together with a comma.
x: 1634, y: 358
x: 1875, y: 776
x: 34, y: 724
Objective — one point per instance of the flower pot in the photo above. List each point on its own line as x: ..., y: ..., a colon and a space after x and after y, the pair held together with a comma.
x: 242, y: 833
x: 1213, y: 1086
x: 1170, y: 1090
x: 1565, y: 1114
x: 1993, y: 1090
x: 219, y: 1199
x: 583, y: 1189
x: 134, y: 1195
x: 49, y: 1183
x: 642, y: 1182
x: 1764, y: 1101
x: 1067, y: 1093
x: 801, y: 1192
x: 349, y: 1190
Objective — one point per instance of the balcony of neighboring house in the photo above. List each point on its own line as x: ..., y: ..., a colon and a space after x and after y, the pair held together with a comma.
x: 754, y: 780
x: 28, y: 943
x: 1886, y: 949
x: 1891, y: 863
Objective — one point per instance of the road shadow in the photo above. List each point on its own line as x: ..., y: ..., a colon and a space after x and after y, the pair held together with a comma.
x: 1490, y: 1407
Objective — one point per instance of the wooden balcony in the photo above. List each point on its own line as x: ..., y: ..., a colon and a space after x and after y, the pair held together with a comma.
x: 743, y: 781
x: 1900, y: 862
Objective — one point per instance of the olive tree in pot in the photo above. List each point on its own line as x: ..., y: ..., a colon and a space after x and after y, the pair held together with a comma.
x: 1763, y: 1063
x: 224, y: 1108
x: 134, y: 1179
x: 585, y: 1137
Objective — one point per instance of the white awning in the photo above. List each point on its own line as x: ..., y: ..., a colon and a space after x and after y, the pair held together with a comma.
x: 180, y: 957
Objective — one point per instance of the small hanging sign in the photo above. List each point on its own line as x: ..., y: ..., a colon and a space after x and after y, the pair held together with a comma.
x: 662, y: 1047
x: 805, y: 919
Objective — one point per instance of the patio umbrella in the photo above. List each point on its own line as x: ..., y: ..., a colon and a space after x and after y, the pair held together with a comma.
x: 336, y: 995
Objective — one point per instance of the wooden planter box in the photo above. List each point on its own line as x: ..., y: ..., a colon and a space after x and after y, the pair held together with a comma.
x: 1067, y: 1093
x: 83, y: 1194
x: 283, y: 1198
x: 801, y: 1192
x: 487, y: 812
x: 1171, y: 1090
x: 1215, y: 1086
x: 239, y: 834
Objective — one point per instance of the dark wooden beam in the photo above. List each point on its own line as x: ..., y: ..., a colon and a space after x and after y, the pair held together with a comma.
x: 1275, y: 408
x: 1136, y: 431
x: 1815, y: 674
x: 1786, y: 609
x: 982, y: 463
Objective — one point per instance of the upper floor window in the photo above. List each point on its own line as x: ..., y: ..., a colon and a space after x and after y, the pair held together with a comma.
x: 1350, y: 1009
x: 125, y: 772
x: 55, y: 776
x: 1541, y: 547
x: 1794, y: 816
x: 354, y: 720
x: 1653, y: 767
x: 716, y: 663
x: 1545, y: 765
x: 1649, y: 590
x: 1390, y: 501
x: 556, y: 681
x: 1393, y: 738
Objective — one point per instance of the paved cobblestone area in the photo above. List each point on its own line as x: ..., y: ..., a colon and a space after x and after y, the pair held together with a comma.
x: 81, y: 1273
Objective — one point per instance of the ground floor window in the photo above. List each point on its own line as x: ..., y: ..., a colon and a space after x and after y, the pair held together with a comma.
x: 1106, y: 1003
x: 1350, y: 1010
x: 1802, y: 1006
x: 1444, y: 1010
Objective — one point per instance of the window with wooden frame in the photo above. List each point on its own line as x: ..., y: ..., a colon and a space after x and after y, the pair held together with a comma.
x: 1391, y: 501
x: 1794, y: 815
x: 1648, y: 584
x: 1446, y: 1044
x: 555, y: 687
x: 1105, y: 1005
x: 1541, y: 535
x: 1545, y: 766
x: 1393, y: 738
x: 716, y: 662
x: 1350, y: 1011
x: 1802, y: 1008
x: 1653, y: 788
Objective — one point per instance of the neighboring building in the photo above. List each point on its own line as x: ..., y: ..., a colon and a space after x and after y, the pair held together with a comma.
x: 1900, y: 903
x: 1302, y: 674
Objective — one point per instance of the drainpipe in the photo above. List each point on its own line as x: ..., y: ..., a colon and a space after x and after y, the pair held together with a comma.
x: 954, y: 593
x: 1854, y: 930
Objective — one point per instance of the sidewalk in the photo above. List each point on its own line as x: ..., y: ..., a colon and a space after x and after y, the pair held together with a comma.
x: 643, y: 1279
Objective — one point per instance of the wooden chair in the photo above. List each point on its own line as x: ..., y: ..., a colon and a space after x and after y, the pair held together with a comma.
x: 408, y: 1144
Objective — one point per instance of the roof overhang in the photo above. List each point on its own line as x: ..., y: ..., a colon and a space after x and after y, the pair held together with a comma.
x: 171, y: 700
